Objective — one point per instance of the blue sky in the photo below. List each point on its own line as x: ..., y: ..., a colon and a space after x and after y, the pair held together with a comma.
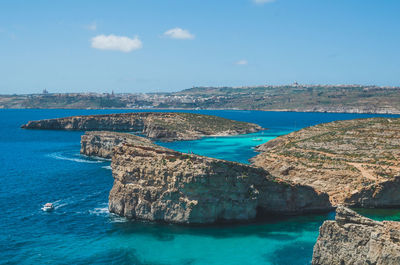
x: 151, y: 46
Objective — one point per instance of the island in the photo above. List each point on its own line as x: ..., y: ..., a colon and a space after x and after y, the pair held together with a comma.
x: 162, y: 126
x: 356, y: 162
x: 353, y: 239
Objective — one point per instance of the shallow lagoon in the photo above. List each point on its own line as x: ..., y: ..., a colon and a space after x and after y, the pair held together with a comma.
x: 45, y: 166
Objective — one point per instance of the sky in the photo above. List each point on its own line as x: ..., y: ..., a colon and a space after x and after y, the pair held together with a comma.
x: 170, y: 45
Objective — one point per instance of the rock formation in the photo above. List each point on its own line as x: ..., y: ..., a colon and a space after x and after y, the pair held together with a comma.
x: 162, y: 126
x: 354, y: 239
x: 158, y: 184
x: 357, y: 162
x: 101, y: 143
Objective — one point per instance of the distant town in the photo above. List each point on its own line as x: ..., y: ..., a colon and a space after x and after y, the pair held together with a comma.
x: 293, y: 97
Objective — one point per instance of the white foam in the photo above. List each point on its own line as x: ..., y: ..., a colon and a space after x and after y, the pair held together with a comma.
x: 103, y: 211
x: 107, y: 167
x: 100, y: 211
x: 118, y: 219
x: 59, y: 156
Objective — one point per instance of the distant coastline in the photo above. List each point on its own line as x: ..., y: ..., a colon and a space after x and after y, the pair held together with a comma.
x: 233, y: 109
x: 289, y: 98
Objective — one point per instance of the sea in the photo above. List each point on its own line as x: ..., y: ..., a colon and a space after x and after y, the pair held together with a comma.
x: 40, y: 166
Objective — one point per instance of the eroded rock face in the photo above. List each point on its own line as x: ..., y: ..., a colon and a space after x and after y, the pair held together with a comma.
x: 158, y: 184
x: 357, y: 162
x: 354, y: 239
x: 101, y: 143
x: 162, y: 126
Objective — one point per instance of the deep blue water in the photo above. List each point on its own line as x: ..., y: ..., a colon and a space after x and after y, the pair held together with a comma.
x: 45, y: 166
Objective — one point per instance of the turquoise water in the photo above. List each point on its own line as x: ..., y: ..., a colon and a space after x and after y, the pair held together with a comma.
x: 45, y: 166
x: 234, y: 148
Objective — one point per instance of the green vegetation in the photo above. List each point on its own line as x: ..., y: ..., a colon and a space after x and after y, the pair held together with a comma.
x: 343, y: 98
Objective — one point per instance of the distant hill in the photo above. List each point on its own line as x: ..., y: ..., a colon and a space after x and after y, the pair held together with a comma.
x: 317, y: 98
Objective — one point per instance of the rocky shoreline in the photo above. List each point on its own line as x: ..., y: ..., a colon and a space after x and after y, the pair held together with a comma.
x: 163, y: 126
x: 353, y: 163
x: 354, y: 239
x: 157, y: 184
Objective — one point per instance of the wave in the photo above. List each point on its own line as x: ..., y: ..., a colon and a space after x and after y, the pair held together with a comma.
x: 100, y: 211
x: 117, y: 219
x: 59, y: 156
x: 103, y: 211
x: 107, y: 167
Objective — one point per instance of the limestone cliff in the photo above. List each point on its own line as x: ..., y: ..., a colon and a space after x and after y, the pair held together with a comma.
x: 162, y: 126
x: 101, y: 143
x: 357, y: 162
x: 354, y: 239
x: 158, y: 184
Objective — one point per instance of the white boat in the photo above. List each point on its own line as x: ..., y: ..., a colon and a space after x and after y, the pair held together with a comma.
x: 48, y: 207
x: 257, y: 139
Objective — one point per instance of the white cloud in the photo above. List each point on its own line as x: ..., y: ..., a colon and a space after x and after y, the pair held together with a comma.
x: 116, y: 43
x: 178, y: 33
x: 260, y: 2
x: 92, y: 26
x: 242, y: 62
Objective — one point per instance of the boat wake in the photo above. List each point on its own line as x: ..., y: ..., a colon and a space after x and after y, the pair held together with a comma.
x: 60, y: 156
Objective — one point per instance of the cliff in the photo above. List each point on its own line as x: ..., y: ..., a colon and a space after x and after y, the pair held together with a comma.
x: 354, y: 239
x: 154, y: 125
x: 158, y: 184
x: 356, y: 161
x: 101, y: 143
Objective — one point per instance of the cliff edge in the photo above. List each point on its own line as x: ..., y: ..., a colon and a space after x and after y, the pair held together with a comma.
x: 354, y: 239
x: 101, y: 143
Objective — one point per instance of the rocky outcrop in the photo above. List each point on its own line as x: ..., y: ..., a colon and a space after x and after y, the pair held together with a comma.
x: 357, y: 162
x: 101, y: 143
x: 354, y: 239
x: 162, y: 126
x: 158, y: 184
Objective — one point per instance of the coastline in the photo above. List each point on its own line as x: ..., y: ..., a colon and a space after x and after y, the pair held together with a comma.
x: 218, y: 109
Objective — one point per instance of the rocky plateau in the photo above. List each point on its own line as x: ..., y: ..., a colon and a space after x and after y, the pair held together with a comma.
x: 356, y: 162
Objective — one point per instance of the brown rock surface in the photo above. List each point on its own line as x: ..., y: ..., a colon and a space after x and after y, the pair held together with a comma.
x: 354, y: 239
x: 158, y: 184
x: 357, y: 162
x: 101, y: 143
x: 164, y: 126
